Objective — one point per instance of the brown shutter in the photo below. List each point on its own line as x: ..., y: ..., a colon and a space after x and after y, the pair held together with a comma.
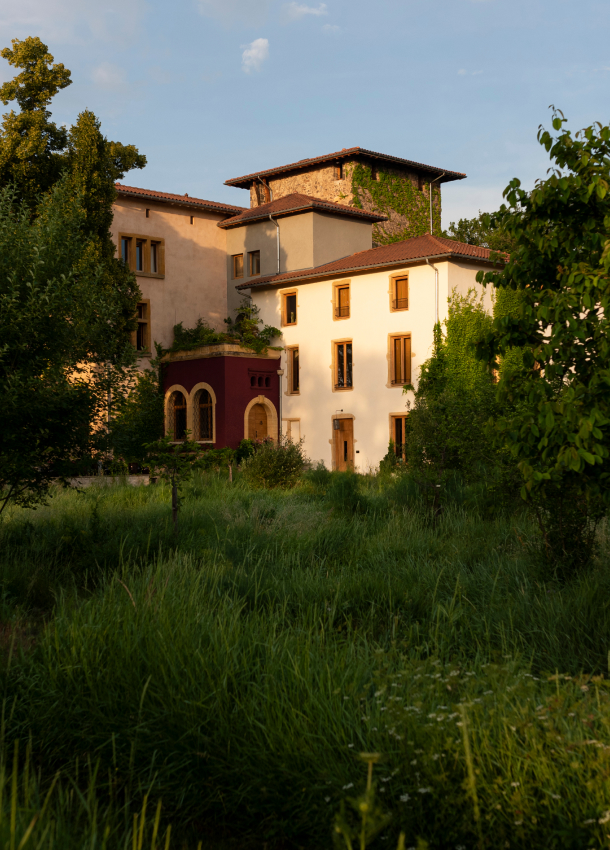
x: 407, y: 376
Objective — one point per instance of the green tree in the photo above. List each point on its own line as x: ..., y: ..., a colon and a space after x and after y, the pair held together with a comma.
x: 68, y: 304
x: 31, y: 145
x: 137, y: 413
x: 57, y: 363
x: 445, y: 438
x: 557, y: 423
x: 175, y: 463
x: 485, y: 230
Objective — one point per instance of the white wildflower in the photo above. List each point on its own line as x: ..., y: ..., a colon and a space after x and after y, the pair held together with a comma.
x: 349, y: 785
x: 515, y: 784
x: 404, y: 798
x: 424, y: 790
x: 604, y: 818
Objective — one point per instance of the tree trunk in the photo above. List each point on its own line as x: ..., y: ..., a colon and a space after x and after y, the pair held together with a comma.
x: 175, y: 506
x: 230, y: 472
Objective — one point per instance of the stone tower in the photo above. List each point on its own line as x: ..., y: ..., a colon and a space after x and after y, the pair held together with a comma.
x: 388, y: 185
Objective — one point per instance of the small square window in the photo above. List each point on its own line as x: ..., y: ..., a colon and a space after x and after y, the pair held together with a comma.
x: 290, y: 308
x: 238, y: 266
x: 254, y: 263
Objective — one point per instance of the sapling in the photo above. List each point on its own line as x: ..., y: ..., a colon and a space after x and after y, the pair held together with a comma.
x: 175, y: 463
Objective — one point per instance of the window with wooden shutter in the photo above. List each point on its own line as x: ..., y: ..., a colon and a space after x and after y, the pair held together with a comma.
x: 400, y: 360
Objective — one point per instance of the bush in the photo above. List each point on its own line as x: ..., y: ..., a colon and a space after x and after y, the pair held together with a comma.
x: 275, y: 464
x: 344, y: 493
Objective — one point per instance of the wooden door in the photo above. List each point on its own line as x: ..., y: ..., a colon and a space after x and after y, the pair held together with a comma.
x: 257, y: 422
x: 344, y: 444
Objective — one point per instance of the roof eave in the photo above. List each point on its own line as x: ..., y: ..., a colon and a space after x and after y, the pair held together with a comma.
x: 451, y: 255
x: 245, y: 181
x: 187, y: 202
x: 349, y: 213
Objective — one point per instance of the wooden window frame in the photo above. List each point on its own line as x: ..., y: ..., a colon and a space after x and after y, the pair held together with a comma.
x: 147, y: 241
x: 197, y: 419
x: 393, y: 417
x: 290, y: 349
x: 338, y: 171
x: 337, y: 285
x: 251, y: 255
x: 285, y: 295
x: 287, y: 430
x: 335, y: 365
x: 392, y: 382
x: 393, y: 278
x: 233, y: 258
x: 144, y: 352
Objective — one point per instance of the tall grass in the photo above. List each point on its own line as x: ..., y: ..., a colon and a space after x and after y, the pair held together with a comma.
x: 236, y: 671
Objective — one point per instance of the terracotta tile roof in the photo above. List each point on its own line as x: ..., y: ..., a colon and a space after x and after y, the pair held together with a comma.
x: 417, y: 248
x: 183, y: 200
x: 346, y: 153
x: 297, y: 203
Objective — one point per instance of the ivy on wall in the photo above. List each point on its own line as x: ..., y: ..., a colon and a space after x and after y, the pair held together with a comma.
x: 391, y: 193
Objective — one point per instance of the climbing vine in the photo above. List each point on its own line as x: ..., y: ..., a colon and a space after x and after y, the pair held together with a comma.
x: 390, y: 193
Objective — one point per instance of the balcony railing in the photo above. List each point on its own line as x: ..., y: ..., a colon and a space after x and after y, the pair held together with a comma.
x: 400, y: 303
x: 342, y: 312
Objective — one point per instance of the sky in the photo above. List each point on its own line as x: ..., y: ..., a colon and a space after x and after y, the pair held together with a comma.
x: 213, y: 89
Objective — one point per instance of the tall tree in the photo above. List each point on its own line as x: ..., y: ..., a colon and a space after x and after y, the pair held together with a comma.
x: 31, y: 145
x: 558, y: 396
x: 67, y: 304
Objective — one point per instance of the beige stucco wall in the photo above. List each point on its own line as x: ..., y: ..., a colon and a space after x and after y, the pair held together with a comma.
x: 335, y: 237
x: 371, y: 402
x: 307, y: 239
x: 195, y: 278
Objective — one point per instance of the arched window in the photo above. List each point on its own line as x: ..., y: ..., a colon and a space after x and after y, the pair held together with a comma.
x: 177, y: 416
x: 204, y: 412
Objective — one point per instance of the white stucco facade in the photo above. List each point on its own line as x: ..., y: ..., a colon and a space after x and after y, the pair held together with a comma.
x: 373, y: 400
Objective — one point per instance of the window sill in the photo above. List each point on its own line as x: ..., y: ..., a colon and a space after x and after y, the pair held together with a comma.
x: 342, y: 389
x: 148, y: 274
x: 143, y: 353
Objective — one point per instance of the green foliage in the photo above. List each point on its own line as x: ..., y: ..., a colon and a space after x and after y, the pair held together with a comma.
x: 31, y: 145
x: 445, y: 430
x: 186, y: 339
x: 174, y: 463
x: 246, y: 328
x: 256, y: 655
x: 58, y: 361
x: 392, y: 192
x: 485, y: 230
x: 138, y: 414
x: 275, y: 464
x: 557, y: 424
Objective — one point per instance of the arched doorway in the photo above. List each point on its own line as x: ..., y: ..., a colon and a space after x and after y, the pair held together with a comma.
x: 257, y: 422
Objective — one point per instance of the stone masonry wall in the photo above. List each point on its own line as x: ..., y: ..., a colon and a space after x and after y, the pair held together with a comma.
x: 319, y: 181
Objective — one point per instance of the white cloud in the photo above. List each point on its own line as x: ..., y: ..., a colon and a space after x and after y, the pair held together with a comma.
x: 108, y: 76
x: 464, y: 73
x: 230, y: 12
x: 254, y: 55
x: 295, y: 11
x: 331, y: 29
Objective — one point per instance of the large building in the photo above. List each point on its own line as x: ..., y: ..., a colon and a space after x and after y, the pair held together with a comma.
x: 356, y: 317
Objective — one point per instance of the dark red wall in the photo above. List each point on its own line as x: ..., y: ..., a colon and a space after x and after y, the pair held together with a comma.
x: 230, y: 378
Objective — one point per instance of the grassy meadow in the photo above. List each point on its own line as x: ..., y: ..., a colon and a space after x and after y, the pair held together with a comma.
x: 219, y: 686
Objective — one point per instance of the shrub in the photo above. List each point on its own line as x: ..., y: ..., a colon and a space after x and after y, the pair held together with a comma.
x: 275, y: 464
x: 344, y: 492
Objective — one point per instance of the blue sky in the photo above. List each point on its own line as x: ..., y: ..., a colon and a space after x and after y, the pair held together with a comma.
x: 212, y: 89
